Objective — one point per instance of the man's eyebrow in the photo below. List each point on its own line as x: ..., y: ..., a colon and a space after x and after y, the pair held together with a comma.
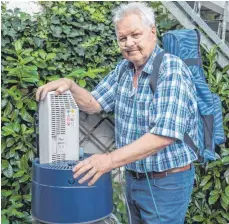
x: 122, y: 35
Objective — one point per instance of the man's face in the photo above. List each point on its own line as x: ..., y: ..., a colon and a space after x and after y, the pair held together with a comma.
x: 135, y: 39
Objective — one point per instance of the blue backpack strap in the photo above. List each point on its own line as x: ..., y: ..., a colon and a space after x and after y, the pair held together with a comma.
x: 156, y: 67
x: 153, y: 85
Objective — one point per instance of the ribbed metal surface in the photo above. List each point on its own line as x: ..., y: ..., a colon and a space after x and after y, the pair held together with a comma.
x: 59, y: 165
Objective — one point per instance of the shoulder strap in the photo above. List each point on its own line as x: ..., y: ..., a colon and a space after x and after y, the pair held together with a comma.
x: 153, y: 85
x: 156, y: 67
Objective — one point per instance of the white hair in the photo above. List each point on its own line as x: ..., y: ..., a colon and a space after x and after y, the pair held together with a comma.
x: 145, y: 12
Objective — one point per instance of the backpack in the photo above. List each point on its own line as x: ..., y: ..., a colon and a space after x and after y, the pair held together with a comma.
x: 185, y: 44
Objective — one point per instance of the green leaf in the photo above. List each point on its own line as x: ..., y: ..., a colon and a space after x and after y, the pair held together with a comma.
x: 27, y: 51
x: 27, y: 60
x: 225, y: 160
x: 212, y: 199
x: 205, y: 180
x: 225, y: 69
x: 27, y: 197
x: 15, y: 197
x: 10, y: 59
x: 50, y: 56
x: 8, y: 109
x: 82, y: 83
x: 218, y: 77
x: 10, y: 142
x: 227, y: 191
x: 7, y: 130
x: 32, y: 105
x: 18, y: 214
x: 217, y: 183
x: 16, y: 127
x: 20, y: 173
x: 18, y: 205
x: 4, y: 220
x: 42, y: 53
x: 24, y: 179
x: 23, y: 128
x: 8, y: 172
x: 215, y: 192
x: 50, y: 68
x: 5, y: 164
x: 6, y: 193
x: 18, y: 46
x: 77, y: 73
x: 24, y: 163
x: 198, y: 218
x: 221, y: 220
x: 31, y: 80
x: 26, y: 116
x: 225, y: 198
x: 19, y: 104
x: 53, y: 78
x: 207, y: 186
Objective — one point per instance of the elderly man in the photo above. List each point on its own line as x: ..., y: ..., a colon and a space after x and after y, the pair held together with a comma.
x: 149, y: 128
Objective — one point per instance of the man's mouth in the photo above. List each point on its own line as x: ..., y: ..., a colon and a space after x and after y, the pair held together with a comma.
x: 132, y: 51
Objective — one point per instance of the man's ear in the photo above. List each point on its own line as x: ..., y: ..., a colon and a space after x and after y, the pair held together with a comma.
x: 154, y: 30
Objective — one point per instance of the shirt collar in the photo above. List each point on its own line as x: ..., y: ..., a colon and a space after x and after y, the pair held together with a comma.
x: 148, y: 68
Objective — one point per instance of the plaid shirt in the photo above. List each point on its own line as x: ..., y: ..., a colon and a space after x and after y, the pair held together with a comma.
x: 170, y: 111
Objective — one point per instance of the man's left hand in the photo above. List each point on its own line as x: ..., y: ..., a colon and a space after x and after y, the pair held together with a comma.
x: 94, y: 167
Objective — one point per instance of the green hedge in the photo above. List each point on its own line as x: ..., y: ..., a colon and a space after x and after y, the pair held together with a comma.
x: 77, y: 40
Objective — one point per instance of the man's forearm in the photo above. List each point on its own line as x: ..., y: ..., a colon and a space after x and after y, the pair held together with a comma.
x: 85, y: 101
x: 143, y: 147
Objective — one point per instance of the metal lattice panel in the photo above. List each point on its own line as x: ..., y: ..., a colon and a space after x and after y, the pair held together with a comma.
x: 96, y: 133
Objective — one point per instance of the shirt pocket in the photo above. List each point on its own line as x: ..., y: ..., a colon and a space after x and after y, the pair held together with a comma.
x: 143, y: 114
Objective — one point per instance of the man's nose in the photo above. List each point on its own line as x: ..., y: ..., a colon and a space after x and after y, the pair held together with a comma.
x: 129, y: 42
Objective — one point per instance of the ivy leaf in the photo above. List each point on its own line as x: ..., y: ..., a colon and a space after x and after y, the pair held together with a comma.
x: 7, y: 130
x: 20, y: 173
x: 225, y: 160
x: 27, y: 60
x: 24, y: 179
x: 205, y: 180
x: 16, y: 127
x: 225, y: 69
x: 8, y: 172
x: 5, y: 164
x: 212, y: 199
x: 225, y: 198
x: 4, y: 220
x: 227, y: 191
x: 82, y: 83
x: 27, y: 197
x: 19, y: 104
x: 26, y: 116
x: 15, y: 197
x: 77, y: 73
x: 8, y: 110
x: 10, y: 142
x: 198, y: 218
x: 53, y: 77
x: 31, y: 80
x: 18, y: 46
x: 24, y: 163
x: 32, y: 105
x: 50, y: 56
x: 56, y: 31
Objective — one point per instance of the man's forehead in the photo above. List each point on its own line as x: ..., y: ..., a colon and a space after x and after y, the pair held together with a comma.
x: 123, y: 31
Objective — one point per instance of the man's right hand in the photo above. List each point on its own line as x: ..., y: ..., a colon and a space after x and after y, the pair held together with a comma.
x: 59, y: 86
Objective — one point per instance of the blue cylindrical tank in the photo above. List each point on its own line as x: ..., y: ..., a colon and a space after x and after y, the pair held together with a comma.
x: 58, y: 198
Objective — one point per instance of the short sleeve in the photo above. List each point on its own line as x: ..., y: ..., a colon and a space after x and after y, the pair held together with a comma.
x: 170, y: 107
x: 105, y: 91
